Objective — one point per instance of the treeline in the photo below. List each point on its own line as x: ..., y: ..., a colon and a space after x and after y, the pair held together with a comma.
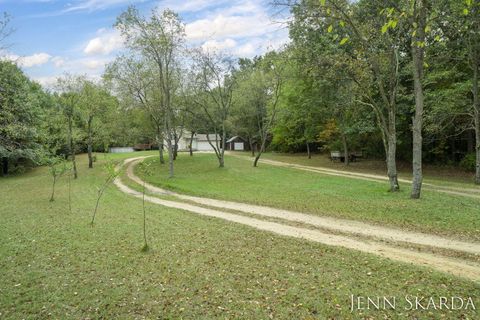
x: 398, y: 79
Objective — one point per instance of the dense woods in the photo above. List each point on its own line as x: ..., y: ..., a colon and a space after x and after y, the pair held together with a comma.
x: 397, y: 80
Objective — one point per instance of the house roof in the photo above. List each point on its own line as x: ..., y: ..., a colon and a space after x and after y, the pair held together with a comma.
x: 234, y: 138
x: 203, y: 137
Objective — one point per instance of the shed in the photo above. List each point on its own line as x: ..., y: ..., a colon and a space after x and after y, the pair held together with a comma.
x: 235, y: 143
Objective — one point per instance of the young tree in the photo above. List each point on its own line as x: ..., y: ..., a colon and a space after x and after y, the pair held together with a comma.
x: 58, y: 168
x: 111, y: 173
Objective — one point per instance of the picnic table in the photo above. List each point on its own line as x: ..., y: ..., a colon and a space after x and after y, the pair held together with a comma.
x: 340, y: 156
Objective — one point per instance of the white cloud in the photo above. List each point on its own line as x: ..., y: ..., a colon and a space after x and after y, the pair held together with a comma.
x: 58, y: 62
x: 190, y: 6
x: 223, y: 26
x: 93, y: 64
x: 36, y: 59
x: 214, y: 45
x: 105, y: 43
x: 47, y: 82
x: 92, y: 5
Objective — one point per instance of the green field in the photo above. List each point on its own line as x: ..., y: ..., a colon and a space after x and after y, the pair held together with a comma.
x: 55, y: 266
x: 322, y: 194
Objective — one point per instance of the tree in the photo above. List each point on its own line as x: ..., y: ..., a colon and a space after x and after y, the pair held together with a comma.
x: 20, y: 110
x: 5, y: 31
x: 58, y: 168
x: 135, y: 82
x: 352, y: 31
x: 472, y: 11
x: 160, y: 40
x: 111, y: 174
x: 258, y: 94
x: 213, y: 91
x: 418, y: 22
x: 94, y: 102
x: 69, y: 99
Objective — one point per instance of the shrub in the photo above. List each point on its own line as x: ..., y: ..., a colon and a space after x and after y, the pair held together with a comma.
x: 468, y: 162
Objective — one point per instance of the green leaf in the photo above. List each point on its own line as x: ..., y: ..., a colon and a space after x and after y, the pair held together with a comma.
x: 323, y: 2
x: 330, y: 28
x: 465, y: 11
x: 385, y: 28
x: 343, y: 41
x: 437, y: 38
x: 394, y: 23
x: 342, y: 23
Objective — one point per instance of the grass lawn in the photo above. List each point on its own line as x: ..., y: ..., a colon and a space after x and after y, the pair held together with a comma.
x: 321, y: 194
x: 55, y: 266
x: 443, y: 175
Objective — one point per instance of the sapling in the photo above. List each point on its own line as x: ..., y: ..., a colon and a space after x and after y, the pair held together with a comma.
x: 70, y: 173
x: 112, y: 172
x: 58, y: 167
x: 146, y: 168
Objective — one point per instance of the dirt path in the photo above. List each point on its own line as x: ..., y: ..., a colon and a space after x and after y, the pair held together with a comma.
x: 454, y: 266
x: 334, y: 224
x: 465, y: 192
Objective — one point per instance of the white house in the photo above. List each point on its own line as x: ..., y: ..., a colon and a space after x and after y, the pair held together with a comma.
x: 199, y: 141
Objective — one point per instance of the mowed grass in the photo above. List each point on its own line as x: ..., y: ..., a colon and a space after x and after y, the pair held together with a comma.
x: 321, y: 194
x: 441, y: 175
x: 55, y: 266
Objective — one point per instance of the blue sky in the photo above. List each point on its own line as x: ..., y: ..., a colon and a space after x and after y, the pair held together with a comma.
x: 76, y: 36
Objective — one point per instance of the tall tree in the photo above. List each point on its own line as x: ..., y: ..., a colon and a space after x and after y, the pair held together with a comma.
x: 472, y: 11
x: 135, y: 82
x: 69, y: 98
x: 418, y: 22
x: 159, y: 39
x: 5, y: 31
x: 20, y: 113
x: 372, y: 56
x: 93, y: 104
x: 258, y: 94
x: 213, y: 86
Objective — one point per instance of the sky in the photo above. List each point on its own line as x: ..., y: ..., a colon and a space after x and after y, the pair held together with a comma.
x: 53, y: 37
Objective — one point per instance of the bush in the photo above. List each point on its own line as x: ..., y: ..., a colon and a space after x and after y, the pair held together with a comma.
x: 468, y: 162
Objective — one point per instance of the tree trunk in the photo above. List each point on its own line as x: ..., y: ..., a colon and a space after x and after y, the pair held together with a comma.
x: 418, y: 58
x: 308, y: 151
x: 392, y: 163
x: 160, y: 153
x: 251, y: 147
x: 391, y: 151
x: 4, y: 166
x: 259, y: 153
x: 175, y: 146
x: 190, y: 147
x: 170, y: 154
x: 345, y: 150
x: 222, y: 152
x: 90, y: 143
x: 52, y: 197
x: 476, y: 111
x: 417, y: 140
x: 160, y: 144
x: 71, y: 146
